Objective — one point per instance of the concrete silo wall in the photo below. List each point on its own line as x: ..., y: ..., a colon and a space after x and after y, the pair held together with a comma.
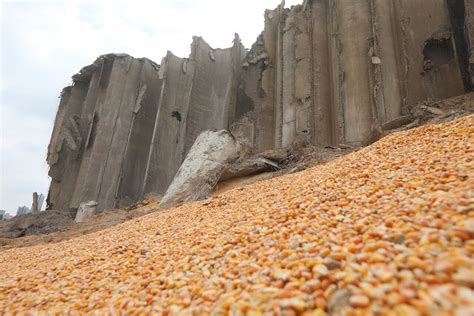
x: 324, y: 72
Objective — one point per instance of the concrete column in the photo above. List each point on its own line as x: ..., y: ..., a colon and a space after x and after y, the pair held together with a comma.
x: 387, y: 52
x: 279, y: 77
x: 107, y: 110
x: 469, y: 9
x: 266, y: 122
x: 167, y: 144
x: 135, y: 163
x: 323, y: 111
x: 288, y: 86
x: 95, y: 98
x: 120, y: 128
x: 68, y: 144
x: 354, y: 34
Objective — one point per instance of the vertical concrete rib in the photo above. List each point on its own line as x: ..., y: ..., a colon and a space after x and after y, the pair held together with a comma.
x: 337, y: 72
x: 120, y: 130
x: 266, y: 123
x: 388, y: 52
x: 469, y: 9
x: 107, y: 114
x: 148, y: 181
x: 354, y: 36
x: 279, y: 82
x: 303, y: 75
x: 95, y: 99
x: 64, y: 163
x: 322, y: 75
x: 52, y: 155
x: 165, y: 156
x: 135, y: 161
x: 288, y: 129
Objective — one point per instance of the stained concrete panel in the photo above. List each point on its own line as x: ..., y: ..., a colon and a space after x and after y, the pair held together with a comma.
x: 213, y: 93
x: 96, y: 97
x: 107, y: 112
x: 65, y: 146
x: 121, y: 129
x: 168, y: 132
x: 423, y: 21
x: 135, y: 163
x: 288, y: 85
x: 469, y: 22
x: 321, y: 42
x: 469, y: 18
x: 387, y: 49
x: 198, y: 94
x: 354, y: 35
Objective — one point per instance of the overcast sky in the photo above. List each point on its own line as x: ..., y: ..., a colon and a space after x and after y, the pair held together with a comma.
x: 43, y: 43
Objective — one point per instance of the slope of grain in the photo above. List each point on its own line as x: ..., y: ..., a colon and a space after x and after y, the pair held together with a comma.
x: 389, y: 228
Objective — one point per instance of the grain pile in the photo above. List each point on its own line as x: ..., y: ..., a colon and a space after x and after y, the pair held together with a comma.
x: 388, y: 230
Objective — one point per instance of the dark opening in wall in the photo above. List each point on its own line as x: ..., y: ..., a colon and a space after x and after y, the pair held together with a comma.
x: 437, y: 52
x: 245, y: 103
x: 457, y: 16
x: 176, y: 115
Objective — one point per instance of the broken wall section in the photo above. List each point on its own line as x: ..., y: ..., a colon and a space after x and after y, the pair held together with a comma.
x: 469, y: 35
x: 125, y: 125
x: 198, y: 94
x: 92, y: 129
x: 336, y: 71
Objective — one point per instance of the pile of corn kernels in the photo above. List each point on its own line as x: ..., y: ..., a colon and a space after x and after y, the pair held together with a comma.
x: 387, y: 230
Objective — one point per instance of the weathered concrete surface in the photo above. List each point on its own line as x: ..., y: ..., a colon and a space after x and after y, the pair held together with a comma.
x: 90, y: 137
x: 125, y: 125
x: 336, y: 71
x: 469, y: 29
x: 202, y: 168
x: 85, y: 211
x: 198, y: 93
x: 136, y: 157
x: 326, y: 73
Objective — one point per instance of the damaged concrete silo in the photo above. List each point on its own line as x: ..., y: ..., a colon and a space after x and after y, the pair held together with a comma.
x: 333, y: 72
x: 324, y: 72
x: 125, y: 125
x: 198, y: 94
x: 92, y: 127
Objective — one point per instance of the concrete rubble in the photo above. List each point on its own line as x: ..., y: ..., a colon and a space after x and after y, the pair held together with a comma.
x: 202, y: 168
x: 85, y: 211
x: 327, y: 73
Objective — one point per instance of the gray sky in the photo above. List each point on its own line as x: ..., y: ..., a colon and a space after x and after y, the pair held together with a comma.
x: 43, y: 43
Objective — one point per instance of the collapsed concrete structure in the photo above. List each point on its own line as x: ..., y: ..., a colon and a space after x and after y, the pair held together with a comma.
x: 125, y: 125
x: 324, y: 72
x: 202, y: 168
x: 334, y: 72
